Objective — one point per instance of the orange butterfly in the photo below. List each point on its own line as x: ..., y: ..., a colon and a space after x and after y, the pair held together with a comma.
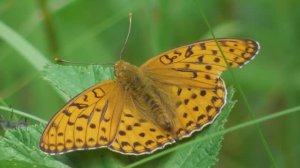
x: 166, y: 99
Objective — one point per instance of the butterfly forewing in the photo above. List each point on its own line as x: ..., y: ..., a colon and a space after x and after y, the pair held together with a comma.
x: 201, y: 63
x: 89, y: 120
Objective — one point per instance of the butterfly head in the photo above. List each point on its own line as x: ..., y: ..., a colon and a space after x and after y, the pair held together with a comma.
x: 124, y: 70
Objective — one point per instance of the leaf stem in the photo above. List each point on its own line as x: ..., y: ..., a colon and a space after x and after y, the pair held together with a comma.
x: 21, y: 113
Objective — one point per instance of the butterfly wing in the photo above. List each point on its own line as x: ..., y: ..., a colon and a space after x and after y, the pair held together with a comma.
x: 137, y: 135
x: 192, y: 76
x: 90, y: 120
x: 200, y: 64
x: 195, y: 107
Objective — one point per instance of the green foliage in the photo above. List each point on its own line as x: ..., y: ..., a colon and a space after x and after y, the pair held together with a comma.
x: 72, y: 80
x: 19, y: 148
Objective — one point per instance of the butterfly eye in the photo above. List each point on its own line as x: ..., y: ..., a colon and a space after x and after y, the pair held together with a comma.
x: 119, y: 74
x: 137, y: 79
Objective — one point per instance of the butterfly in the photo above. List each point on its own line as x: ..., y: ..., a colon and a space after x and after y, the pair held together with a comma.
x: 146, y: 108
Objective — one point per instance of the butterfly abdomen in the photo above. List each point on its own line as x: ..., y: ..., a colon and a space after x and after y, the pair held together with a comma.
x: 158, y: 110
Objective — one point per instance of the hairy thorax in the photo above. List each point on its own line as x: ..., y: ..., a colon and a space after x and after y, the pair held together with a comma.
x: 148, y: 97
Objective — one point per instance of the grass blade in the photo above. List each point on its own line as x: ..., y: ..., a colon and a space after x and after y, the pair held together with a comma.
x: 26, y: 50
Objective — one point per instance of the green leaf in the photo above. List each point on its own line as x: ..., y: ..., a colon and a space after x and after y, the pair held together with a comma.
x: 72, y: 80
x: 203, y: 154
x: 19, y: 147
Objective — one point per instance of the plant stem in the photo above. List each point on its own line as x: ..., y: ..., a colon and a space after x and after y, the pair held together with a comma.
x: 21, y: 113
x: 49, y: 26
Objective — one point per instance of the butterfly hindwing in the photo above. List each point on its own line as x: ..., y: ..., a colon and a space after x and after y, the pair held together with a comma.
x: 137, y: 135
x: 89, y: 120
x: 196, y: 107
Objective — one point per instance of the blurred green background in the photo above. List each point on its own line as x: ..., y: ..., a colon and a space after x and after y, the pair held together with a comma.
x: 94, y: 32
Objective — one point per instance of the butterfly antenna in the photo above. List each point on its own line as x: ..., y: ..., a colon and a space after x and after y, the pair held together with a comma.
x: 128, y: 34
